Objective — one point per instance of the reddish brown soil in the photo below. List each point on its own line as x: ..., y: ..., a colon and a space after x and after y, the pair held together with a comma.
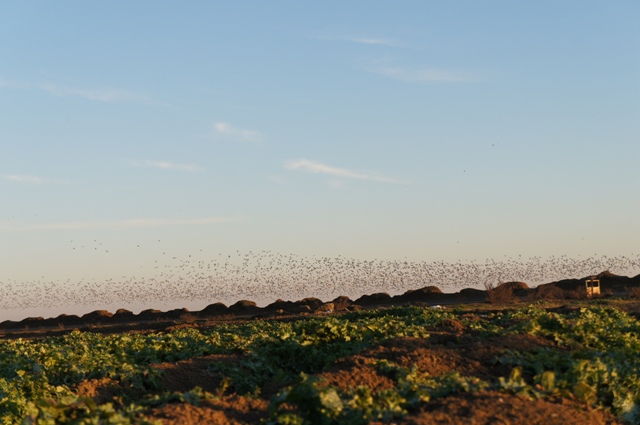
x: 450, y: 347
x: 440, y: 354
x: 492, y: 408
x: 106, y: 390
x: 101, y: 390
x: 185, y: 375
x: 231, y: 410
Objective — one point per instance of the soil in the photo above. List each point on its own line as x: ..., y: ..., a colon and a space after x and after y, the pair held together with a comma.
x: 229, y: 410
x: 449, y: 347
x: 123, y: 320
x: 185, y: 375
x: 493, y: 408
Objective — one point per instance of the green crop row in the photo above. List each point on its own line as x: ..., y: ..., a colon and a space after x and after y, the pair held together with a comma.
x: 595, y: 360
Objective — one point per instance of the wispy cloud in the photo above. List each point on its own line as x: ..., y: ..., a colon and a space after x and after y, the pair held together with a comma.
x: 22, y: 178
x: 164, y: 165
x: 361, y: 40
x: 5, y: 84
x: 100, y: 95
x: 116, y: 224
x: 318, y: 168
x: 95, y: 94
x: 226, y: 129
x: 424, y: 75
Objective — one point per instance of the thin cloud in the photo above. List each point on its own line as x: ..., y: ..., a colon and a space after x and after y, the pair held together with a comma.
x: 424, y: 75
x: 4, y: 84
x: 100, y: 95
x: 376, y: 41
x: 318, y: 168
x: 95, y: 94
x: 362, y: 40
x: 226, y: 129
x: 22, y: 178
x: 116, y: 224
x: 165, y: 165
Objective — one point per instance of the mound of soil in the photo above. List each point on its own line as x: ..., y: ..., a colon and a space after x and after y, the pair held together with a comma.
x: 379, y: 298
x: 452, y: 346
x: 184, y: 375
x: 609, y: 282
x: 515, y: 285
x: 341, y: 303
x: 243, y: 307
x: 229, y: 410
x: 489, y: 408
x: 429, y: 295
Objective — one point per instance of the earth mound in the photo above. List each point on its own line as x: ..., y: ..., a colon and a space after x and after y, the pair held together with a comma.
x: 428, y: 295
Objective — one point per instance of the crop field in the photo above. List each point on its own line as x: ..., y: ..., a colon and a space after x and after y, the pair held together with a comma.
x: 529, y: 363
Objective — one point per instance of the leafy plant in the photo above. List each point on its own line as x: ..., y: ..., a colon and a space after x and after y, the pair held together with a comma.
x: 593, y: 359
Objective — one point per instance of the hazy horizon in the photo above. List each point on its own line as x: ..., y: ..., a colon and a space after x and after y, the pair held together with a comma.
x: 196, y: 281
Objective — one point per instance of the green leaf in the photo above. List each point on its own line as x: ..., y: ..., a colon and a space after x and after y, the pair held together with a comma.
x: 548, y: 380
x: 585, y: 393
x: 330, y: 401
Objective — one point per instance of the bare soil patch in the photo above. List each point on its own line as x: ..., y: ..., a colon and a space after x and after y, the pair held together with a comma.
x: 231, y: 410
x: 493, y: 408
x: 107, y: 390
x: 185, y: 375
x: 453, y: 346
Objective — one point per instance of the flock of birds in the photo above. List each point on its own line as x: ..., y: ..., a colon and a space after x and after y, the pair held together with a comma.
x: 266, y: 276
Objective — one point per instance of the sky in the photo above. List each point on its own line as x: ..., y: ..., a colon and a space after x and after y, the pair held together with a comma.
x: 421, y: 131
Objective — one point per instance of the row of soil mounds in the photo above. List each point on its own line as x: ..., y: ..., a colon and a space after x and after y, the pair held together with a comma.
x: 430, y: 295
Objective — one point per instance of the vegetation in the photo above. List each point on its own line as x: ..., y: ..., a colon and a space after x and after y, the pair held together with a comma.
x: 592, y: 357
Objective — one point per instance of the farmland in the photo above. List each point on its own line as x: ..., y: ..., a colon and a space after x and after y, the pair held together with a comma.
x: 526, y: 362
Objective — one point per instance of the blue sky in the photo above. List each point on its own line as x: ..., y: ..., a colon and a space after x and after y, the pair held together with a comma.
x: 431, y: 131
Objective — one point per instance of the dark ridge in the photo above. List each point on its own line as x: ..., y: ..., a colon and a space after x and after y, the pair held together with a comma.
x: 472, y: 293
x: 50, y: 322
x: 243, y: 307
x: 9, y: 324
x: 341, y: 303
x: 514, y: 288
x: 515, y: 285
x: 313, y: 303
x: 149, y: 314
x: 97, y: 315
x: 302, y: 308
x: 609, y: 283
x: 565, y: 284
x: 69, y: 320
x: 122, y: 316
x: 374, y: 299
x: 216, y: 309
x: 279, y: 305
x: 33, y: 321
x: 428, y: 293
x: 175, y: 314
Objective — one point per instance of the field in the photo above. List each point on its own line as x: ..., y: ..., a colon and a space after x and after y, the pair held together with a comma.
x: 519, y: 362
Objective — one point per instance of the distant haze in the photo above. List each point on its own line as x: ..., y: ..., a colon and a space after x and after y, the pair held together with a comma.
x: 198, y: 280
